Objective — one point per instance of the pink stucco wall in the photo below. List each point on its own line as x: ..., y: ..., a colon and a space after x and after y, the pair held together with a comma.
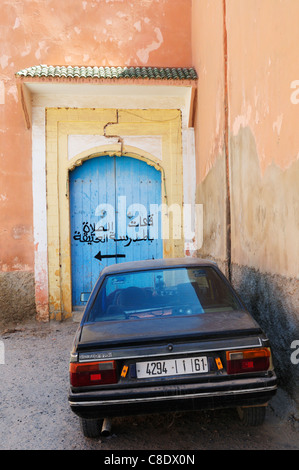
x: 263, y: 62
x: 207, y: 57
x: 260, y: 87
x: 263, y: 77
x: 247, y: 153
x: 87, y: 32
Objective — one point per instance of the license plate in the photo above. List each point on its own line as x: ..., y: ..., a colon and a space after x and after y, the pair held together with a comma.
x: 189, y: 365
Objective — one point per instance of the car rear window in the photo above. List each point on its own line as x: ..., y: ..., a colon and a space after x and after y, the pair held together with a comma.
x: 163, y: 292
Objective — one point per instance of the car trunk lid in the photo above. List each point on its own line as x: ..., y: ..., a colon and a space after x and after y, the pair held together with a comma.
x: 154, y: 330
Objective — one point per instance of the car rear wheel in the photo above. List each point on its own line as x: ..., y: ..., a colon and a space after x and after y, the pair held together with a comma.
x: 91, y: 427
x: 252, y: 416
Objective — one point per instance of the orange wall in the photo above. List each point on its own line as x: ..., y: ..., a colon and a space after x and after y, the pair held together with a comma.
x: 87, y: 32
x: 262, y: 65
x: 262, y: 130
x: 263, y: 62
x: 264, y: 139
x: 208, y: 59
x: 258, y: 242
x: 207, y: 48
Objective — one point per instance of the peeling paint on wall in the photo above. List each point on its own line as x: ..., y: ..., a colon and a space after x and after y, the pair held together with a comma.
x: 4, y: 59
x: 265, y: 209
x: 242, y: 120
x: 143, y: 54
x: 277, y: 124
x: 263, y: 158
x: 54, y: 32
x: 2, y: 92
x: 12, y: 90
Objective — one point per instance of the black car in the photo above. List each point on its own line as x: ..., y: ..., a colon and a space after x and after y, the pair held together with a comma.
x: 167, y: 335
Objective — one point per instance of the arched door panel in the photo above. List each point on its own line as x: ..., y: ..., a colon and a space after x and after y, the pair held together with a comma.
x: 114, y: 217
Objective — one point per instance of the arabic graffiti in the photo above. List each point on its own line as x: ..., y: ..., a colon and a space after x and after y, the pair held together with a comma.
x: 90, y: 234
x: 127, y: 239
x: 144, y: 222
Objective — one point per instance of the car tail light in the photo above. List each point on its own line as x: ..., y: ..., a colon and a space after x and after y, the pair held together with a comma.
x: 92, y: 373
x: 248, y: 360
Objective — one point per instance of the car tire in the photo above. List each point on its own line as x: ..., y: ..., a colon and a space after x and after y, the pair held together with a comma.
x: 252, y: 416
x: 91, y: 427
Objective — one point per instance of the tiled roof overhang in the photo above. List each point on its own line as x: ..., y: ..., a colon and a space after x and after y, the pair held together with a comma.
x: 152, y: 73
x: 48, y: 79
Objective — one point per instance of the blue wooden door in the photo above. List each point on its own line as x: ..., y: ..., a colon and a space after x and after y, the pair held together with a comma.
x: 114, y: 217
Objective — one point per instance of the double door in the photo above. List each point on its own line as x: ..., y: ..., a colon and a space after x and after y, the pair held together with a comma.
x: 115, y: 217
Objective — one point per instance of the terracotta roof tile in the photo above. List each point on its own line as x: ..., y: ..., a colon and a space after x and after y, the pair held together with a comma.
x: 154, y: 73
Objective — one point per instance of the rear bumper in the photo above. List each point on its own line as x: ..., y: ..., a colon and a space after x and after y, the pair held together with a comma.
x: 195, y: 396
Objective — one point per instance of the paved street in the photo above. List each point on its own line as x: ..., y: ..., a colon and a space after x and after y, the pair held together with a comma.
x: 34, y: 411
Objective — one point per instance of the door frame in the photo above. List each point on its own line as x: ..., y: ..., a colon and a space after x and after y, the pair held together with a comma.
x: 66, y: 261
x: 62, y: 123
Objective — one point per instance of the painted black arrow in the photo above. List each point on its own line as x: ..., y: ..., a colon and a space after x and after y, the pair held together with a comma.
x: 99, y: 256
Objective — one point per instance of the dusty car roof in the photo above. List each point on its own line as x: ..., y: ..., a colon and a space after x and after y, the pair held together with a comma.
x: 155, y: 264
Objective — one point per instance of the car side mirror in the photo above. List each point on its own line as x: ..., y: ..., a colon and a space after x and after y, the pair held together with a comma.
x: 84, y: 296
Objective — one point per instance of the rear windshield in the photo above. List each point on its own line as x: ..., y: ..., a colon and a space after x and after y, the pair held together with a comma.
x: 164, y: 292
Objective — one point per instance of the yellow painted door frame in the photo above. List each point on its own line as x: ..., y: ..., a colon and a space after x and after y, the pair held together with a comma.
x: 113, y: 125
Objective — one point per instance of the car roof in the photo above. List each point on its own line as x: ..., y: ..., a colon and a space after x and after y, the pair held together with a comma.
x: 155, y: 264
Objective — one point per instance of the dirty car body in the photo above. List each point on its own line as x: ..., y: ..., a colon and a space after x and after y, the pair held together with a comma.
x: 167, y: 335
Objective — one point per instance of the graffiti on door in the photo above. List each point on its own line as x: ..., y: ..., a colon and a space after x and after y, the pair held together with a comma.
x: 114, y: 215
